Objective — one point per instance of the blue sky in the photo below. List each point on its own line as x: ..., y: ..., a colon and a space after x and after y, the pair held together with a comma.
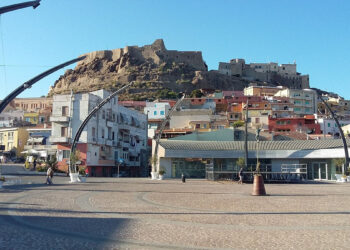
x: 315, y: 34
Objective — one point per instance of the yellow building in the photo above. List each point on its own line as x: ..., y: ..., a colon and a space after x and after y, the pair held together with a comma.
x: 13, y: 139
x: 32, y: 117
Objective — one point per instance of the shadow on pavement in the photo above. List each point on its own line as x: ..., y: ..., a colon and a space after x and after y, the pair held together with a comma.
x: 72, y: 232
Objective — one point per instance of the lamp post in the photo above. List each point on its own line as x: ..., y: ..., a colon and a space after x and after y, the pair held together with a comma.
x: 17, y: 6
x: 30, y: 83
x: 346, y: 153
x: 155, y: 162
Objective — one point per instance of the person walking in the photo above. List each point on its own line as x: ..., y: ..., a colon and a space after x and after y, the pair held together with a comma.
x: 34, y: 164
x: 49, y: 176
x: 240, y: 174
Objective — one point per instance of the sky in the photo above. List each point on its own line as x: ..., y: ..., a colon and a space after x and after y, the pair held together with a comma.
x: 315, y: 34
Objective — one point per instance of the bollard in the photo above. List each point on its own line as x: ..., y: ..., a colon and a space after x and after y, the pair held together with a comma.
x: 183, y: 178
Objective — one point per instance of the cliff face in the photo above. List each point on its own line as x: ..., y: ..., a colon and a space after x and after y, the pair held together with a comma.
x: 158, y: 72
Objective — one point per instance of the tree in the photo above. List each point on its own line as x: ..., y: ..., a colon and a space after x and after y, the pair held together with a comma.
x: 240, y: 162
x: 74, y: 158
x: 52, y: 162
x: 196, y: 93
x: 339, y: 163
x: 237, y: 124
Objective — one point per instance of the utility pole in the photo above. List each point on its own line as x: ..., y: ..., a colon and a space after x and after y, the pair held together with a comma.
x: 246, y: 136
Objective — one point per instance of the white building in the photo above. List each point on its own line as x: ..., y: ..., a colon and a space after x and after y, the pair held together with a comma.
x: 114, y: 133
x: 329, y: 127
x: 157, y: 110
x: 11, y: 118
x: 304, y: 100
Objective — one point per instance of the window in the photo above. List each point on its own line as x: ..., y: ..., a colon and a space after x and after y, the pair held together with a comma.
x: 155, y: 113
x: 102, y: 133
x: 204, y: 125
x: 64, y: 131
x: 103, y: 114
x: 93, y: 132
x: 198, y: 125
x: 10, y: 135
x: 64, y: 110
x: 27, y: 119
x: 162, y: 112
x: 329, y: 125
x: 66, y: 154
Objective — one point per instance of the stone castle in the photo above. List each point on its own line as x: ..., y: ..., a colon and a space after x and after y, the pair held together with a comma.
x: 155, y: 52
x: 284, y: 74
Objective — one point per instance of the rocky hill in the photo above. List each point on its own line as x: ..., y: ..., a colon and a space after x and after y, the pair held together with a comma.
x: 157, y: 72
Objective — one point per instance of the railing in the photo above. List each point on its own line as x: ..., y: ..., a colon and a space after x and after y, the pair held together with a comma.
x: 289, y: 173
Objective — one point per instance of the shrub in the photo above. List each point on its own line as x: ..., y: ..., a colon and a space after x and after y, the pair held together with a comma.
x: 162, y: 171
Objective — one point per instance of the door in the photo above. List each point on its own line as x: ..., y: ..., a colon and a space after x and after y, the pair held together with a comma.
x: 315, y: 170
x: 319, y: 170
x: 323, y: 170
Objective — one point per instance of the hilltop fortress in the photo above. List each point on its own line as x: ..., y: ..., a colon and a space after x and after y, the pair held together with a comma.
x: 284, y: 74
x: 155, y: 52
x: 161, y: 73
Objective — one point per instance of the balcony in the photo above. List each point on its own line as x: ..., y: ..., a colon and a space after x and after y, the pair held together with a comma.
x: 59, y: 139
x: 124, y: 127
x: 59, y: 118
x: 109, y: 124
x: 101, y: 141
x: 40, y: 147
x: 109, y: 142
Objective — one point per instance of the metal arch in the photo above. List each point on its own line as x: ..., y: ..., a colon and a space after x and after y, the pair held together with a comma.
x: 17, y: 6
x: 340, y: 131
x: 87, y: 119
x: 162, y: 126
x: 29, y: 83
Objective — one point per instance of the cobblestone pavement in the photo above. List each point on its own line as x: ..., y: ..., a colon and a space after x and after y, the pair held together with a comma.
x: 126, y: 213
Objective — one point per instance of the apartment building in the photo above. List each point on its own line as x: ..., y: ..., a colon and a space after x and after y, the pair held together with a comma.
x: 114, y: 134
x: 307, y: 124
x: 32, y: 104
x: 11, y: 118
x: 304, y: 100
x: 38, y: 143
x: 12, y: 141
x: 261, y: 90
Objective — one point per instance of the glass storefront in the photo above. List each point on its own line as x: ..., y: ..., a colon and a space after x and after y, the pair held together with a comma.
x: 191, y: 168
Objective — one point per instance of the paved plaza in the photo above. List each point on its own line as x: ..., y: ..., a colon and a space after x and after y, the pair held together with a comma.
x: 130, y: 213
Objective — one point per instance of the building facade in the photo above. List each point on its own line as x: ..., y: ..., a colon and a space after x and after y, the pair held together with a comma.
x: 194, y: 157
x: 304, y: 100
x: 12, y: 140
x: 115, y: 134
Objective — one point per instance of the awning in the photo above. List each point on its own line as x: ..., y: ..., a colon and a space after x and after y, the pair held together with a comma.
x: 35, y: 140
x: 31, y: 152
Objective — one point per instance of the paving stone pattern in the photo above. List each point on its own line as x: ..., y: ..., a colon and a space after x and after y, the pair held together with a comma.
x: 130, y: 213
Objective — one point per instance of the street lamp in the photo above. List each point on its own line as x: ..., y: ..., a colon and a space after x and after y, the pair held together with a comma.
x: 339, y: 127
x: 31, y: 82
x: 17, y: 6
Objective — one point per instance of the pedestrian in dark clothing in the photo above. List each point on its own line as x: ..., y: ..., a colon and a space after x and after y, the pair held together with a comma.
x: 34, y: 164
x: 240, y: 174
